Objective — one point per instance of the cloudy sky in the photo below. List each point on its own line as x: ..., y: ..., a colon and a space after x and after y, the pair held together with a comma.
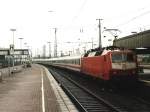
x: 75, y: 20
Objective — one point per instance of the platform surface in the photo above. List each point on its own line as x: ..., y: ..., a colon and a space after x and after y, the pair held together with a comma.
x: 22, y: 92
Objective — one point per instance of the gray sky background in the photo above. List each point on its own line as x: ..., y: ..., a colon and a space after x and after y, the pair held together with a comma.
x: 35, y: 24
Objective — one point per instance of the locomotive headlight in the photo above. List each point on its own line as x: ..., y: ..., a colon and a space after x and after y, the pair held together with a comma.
x: 114, y: 72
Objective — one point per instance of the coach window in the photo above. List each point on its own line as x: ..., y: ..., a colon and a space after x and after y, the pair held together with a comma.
x: 77, y: 61
x: 74, y: 61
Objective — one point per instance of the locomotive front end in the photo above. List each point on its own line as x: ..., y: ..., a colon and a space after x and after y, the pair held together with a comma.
x: 124, y: 65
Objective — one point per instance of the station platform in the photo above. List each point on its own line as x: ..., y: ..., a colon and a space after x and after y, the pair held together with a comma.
x: 33, y: 90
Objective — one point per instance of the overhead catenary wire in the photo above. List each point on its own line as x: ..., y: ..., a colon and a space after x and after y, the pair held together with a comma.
x: 134, y: 18
x: 80, y: 10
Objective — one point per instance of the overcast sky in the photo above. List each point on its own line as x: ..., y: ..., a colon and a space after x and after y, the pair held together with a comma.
x: 75, y: 20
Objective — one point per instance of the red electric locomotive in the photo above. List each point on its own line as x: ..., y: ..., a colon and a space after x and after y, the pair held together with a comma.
x: 110, y: 63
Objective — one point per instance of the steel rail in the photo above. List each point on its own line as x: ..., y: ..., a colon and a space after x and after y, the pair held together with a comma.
x: 81, y: 102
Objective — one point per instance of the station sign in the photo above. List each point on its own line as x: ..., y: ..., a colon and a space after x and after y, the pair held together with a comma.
x: 14, y: 52
x: 21, y: 52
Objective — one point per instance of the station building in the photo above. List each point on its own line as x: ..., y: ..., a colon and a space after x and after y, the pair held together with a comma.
x: 12, y: 57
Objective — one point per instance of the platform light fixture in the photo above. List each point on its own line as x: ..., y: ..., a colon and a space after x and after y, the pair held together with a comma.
x: 49, y: 49
x: 20, y: 42
x: 13, y: 30
x: 13, y: 46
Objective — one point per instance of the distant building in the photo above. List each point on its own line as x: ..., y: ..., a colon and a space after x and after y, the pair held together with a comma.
x: 16, y: 56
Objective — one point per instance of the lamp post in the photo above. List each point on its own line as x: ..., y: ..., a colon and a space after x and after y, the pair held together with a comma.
x: 25, y: 58
x: 99, y: 26
x: 20, y: 42
x: 55, y: 43
x: 25, y: 44
x: 49, y: 49
x: 13, y: 46
x: 55, y: 40
x: 13, y: 30
x: 29, y: 56
x: 20, y: 48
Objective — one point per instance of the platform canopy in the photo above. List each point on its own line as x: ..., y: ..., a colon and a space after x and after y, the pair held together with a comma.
x: 139, y: 42
x: 16, y: 52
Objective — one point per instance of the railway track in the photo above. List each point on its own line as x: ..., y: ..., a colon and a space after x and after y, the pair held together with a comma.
x: 118, y: 100
x: 84, y: 99
x: 141, y: 94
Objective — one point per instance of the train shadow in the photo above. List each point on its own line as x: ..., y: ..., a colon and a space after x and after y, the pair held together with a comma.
x: 119, y: 86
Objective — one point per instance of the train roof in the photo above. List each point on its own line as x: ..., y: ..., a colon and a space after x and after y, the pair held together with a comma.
x: 66, y: 57
x: 106, y: 48
x: 102, y: 51
x: 59, y: 58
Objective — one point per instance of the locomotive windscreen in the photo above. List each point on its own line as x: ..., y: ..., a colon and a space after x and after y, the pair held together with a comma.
x: 122, y: 57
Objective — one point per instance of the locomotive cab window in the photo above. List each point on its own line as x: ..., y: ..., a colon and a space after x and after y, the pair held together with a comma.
x: 122, y: 57
x: 116, y: 57
x: 130, y: 57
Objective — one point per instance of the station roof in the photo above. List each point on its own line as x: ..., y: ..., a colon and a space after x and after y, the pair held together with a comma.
x: 138, y: 40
